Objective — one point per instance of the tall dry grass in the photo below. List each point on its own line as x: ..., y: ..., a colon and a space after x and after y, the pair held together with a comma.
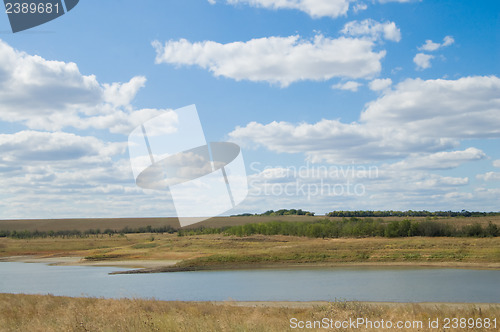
x: 49, y: 313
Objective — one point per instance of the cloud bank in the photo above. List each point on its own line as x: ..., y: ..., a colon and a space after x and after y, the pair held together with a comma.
x: 417, y: 116
x: 277, y: 60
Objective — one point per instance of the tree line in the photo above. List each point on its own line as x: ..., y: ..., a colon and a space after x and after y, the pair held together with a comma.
x: 352, y: 227
x: 281, y: 212
x: 25, y: 234
x: 409, y: 213
x: 374, y: 214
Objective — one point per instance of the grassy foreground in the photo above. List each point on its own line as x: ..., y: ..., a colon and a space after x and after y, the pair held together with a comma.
x: 50, y: 313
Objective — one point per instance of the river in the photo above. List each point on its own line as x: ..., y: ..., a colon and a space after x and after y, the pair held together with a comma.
x: 387, y: 284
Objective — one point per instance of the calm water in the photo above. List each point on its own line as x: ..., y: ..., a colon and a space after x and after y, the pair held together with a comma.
x: 363, y: 284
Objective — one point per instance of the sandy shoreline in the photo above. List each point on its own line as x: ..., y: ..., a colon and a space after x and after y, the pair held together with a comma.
x: 80, y: 261
x: 157, y: 266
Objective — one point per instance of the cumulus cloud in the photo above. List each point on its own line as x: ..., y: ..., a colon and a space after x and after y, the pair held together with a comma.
x: 401, y: 1
x: 423, y: 61
x: 431, y: 46
x: 51, y: 95
x: 440, y: 160
x: 349, y: 86
x: 121, y: 94
x: 33, y: 146
x: 359, y: 7
x: 314, y: 8
x: 489, y: 176
x: 373, y: 29
x: 277, y: 60
x: 380, y: 84
x: 352, y: 186
x: 72, y: 188
x: 457, y: 109
x: 496, y: 163
x: 66, y: 175
x: 417, y: 116
x: 120, y: 121
x: 32, y: 87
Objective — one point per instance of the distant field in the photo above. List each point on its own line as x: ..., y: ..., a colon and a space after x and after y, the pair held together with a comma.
x: 120, y: 223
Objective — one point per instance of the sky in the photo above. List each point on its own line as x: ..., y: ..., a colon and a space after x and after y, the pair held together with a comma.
x: 336, y: 104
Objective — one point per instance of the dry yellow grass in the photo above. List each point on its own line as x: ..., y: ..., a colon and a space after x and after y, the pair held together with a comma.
x: 49, y: 313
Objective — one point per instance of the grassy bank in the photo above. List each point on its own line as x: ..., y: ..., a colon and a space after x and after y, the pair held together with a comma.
x: 228, y: 252
x: 214, y: 251
x: 50, y: 313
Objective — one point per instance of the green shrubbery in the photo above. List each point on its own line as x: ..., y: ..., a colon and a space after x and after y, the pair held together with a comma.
x: 347, y: 227
x: 282, y: 212
x: 409, y: 213
x: 76, y: 233
x: 352, y: 227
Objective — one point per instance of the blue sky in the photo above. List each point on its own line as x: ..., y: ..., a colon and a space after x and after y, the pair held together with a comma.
x: 337, y: 104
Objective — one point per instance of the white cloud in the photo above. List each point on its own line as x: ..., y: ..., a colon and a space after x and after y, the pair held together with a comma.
x: 34, y: 88
x: 489, y: 176
x: 314, y: 8
x: 121, y: 94
x: 431, y: 46
x: 496, y: 163
x: 50, y: 173
x: 416, y: 116
x: 277, y: 60
x: 70, y: 189
x: 401, y: 1
x: 45, y: 147
x: 380, y: 84
x: 317, y: 140
x: 352, y: 186
x: 119, y: 122
x: 448, y: 40
x: 359, y: 7
x: 440, y: 160
x: 350, y: 86
x: 453, y: 109
x: 57, y: 174
x: 422, y: 60
x: 372, y: 29
x: 52, y: 95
